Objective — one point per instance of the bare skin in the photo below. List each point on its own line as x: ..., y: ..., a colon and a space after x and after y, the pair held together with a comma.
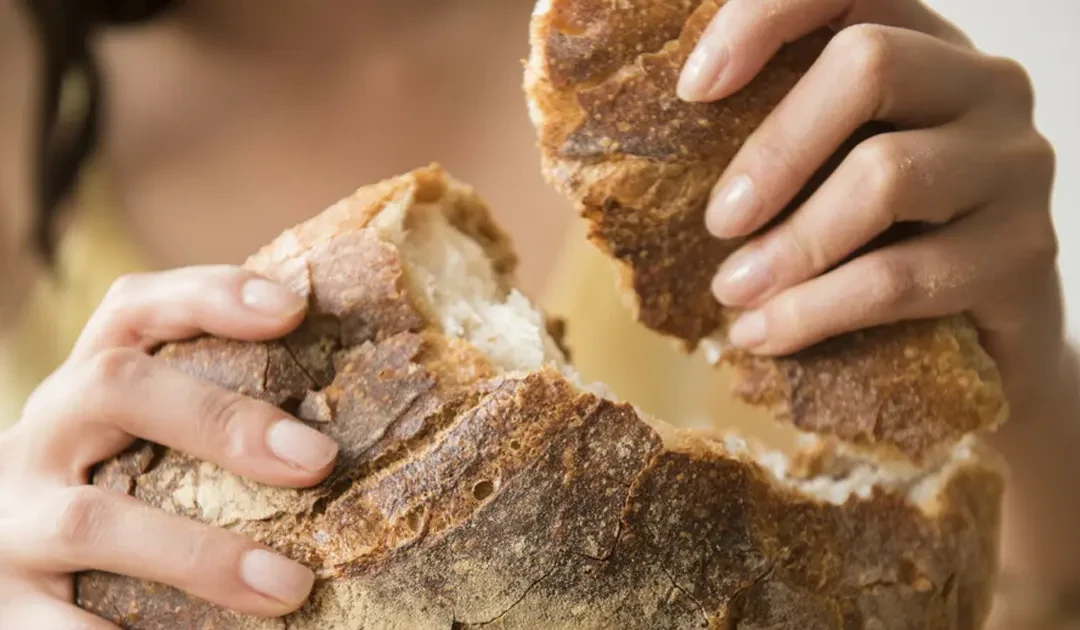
x: 967, y: 160
x: 211, y: 110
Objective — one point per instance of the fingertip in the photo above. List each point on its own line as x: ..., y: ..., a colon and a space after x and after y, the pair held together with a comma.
x: 750, y: 331
x: 302, y: 447
x: 702, y: 77
x: 745, y: 278
x: 774, y: 329
x: 741, y: 40
x: 735, y: 207
x: 254, y: 307
x: 279, y: 451
x: 270, y: 299
x: 705, y: 76
x: 285, y: 583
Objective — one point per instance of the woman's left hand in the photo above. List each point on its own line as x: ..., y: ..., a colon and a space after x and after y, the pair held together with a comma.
x: 965, y: 160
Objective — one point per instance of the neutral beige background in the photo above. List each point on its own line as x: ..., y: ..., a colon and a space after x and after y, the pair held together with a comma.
x: 1044, y: 35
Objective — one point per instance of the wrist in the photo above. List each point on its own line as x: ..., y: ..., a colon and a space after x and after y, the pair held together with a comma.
x: 1042, y: 509
x: 1048, y: 395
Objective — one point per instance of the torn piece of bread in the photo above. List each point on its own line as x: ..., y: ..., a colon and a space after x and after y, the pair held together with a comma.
x: 480, y: 484
x: 640, y: 163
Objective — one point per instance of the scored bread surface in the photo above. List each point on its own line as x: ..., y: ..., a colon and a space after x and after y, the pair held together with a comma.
x: 639, y: 164
x: 478, y: 487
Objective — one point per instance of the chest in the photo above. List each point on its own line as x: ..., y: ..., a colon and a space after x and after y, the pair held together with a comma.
x: 210, y: 157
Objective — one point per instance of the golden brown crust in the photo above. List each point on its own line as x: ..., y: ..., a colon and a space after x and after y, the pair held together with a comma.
x: 592, y: 524
x: 640, y: 163
x: 910, y: 390
x: 467, y: 498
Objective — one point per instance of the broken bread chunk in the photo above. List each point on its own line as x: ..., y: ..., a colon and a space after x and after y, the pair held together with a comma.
x: 480, y: 483
x: 639, y: 164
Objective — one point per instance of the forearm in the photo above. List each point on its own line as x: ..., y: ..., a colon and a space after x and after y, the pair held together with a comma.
x: 1041, y: 443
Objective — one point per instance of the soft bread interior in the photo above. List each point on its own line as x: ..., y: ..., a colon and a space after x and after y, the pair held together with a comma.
x: 470, y: 300
x: 853, y: 475
x: 462, y: 291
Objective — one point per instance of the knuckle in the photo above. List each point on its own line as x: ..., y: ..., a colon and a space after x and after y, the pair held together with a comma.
x: 123, y: 289
x: 1040, y: 242
x: 115, y: 367
x: 197, y: 551
x: 1041, y: 158
x: 81, y: 519
x: 891, y: 282
x: 1046, y: 249
x: 811, y: 255
x: 773, y: 156
x: 767, y: 15
x: 869, y: 52
x: 886, y: 168
x: 785, y: 319
x: 219, y: 412
x: 791, y: 324
x: 120, y: 308
x: 1014, y: 82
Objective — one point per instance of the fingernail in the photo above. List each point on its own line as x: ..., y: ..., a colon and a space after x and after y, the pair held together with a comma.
x: 732, y: 208
x: 701, y: 76
x: 273, y: 300
x: 748, y: 331
x: 276, y: 577
x: 743, y: 277
x: 301, y: 445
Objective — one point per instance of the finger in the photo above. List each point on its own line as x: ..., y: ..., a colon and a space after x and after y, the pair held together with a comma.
x: 39, y: 611
x: 143, y: 310
x: 867, y: 74
x: 86, y: 528
x: 928, y: 176
x: 92, y: 410
x: 951, y: 270
x: 746, y: 34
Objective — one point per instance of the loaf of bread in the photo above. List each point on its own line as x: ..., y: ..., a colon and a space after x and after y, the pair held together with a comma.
x: 639, y: 163
x: 482, y: 484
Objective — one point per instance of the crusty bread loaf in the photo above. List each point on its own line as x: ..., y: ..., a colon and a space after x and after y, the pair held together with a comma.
x: 640, y: 163
x: 480, y: 484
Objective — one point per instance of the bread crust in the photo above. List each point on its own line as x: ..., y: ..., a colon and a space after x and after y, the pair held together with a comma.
x: 468, y: 497
x: 639, y: 164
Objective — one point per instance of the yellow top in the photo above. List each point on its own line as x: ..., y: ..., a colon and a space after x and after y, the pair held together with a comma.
x: 94, y: 252
x: 607, y: 345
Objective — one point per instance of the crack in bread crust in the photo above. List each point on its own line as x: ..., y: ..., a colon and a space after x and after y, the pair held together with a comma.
x: 639, y: 164
x: 469, y: 496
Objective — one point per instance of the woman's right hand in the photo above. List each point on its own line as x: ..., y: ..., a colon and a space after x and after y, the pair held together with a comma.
x: 108, y: 393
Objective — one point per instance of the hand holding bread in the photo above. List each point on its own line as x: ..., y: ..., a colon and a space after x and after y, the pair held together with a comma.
x: 369, y: 411
x: 109, y: 393
x: 958, y: 159
x: 862, y: 188
x: 481, y: 482
x: 902, y: 181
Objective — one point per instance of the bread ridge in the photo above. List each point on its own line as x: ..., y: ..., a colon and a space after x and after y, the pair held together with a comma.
x: 470, y: 494
x: 639, y: 164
